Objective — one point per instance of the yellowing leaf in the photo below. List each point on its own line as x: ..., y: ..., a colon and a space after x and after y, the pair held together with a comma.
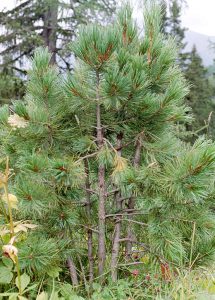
x: 145, y: 259
x: 16, y: 121
x: 12, y: 199
x: 10, y: 250
x: 19, y: 228
x: 120, y: 164
x: 23, y: 227
x: 3, y: 179
x: 30, y: 226
x: 211, y: 289
x: 4, y: 231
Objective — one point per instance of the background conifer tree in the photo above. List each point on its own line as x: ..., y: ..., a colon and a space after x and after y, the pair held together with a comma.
x: 201, y: 94
x: 172, y: 25
x: 51, y: 23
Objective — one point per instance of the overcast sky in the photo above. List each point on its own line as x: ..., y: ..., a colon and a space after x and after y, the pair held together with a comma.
x: 198, y: 16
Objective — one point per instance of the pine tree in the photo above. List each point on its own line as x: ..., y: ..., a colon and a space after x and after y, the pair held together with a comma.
x: 51, y: 23
x: 98, y: 165
x: 201, y: 91
x: 11, y: 86
x: 172, y: 25
x: 200, y: 96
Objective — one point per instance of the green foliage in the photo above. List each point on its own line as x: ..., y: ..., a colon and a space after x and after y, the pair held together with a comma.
x: 200, y: 98
x: 25, y: 280
x: 194, y: 285
x: 6, y: 275
x: 201, y: 94
x: 90, y: 49
x: 100, y: 148
x: 171, y: 25
x: 38, y: 255
x: 10, y: 87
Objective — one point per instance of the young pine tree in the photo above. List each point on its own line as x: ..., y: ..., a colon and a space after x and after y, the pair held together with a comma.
x: 97, y: 162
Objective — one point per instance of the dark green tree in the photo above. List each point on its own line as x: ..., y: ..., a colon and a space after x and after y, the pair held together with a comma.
x: 11, y: 86
x: 51, y: 23
x: 172, y: 26
x: 201, y: 92
x: 200, y: 96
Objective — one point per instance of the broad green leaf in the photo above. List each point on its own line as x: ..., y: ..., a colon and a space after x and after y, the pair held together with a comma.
x: 9, y: 294
x: 5, y: 275
x: 32, y: 287
x: 54, y: 296
x: 76, y: 297
x: 7, y: 262
x: 5, y: 238
x: 13, y: 296
x: 25, y: 280
x: 54, y: 272
x: 42, y: 296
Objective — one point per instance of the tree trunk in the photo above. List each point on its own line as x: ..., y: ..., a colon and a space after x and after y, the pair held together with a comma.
x: 101, y: 189
x: 72, y: 271
x: 131, y: 202
x: 49, y: 34
x: 89, y: 231
x: 117, y: 229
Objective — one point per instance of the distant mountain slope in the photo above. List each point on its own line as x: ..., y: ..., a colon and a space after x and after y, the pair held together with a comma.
x: 202, y: 44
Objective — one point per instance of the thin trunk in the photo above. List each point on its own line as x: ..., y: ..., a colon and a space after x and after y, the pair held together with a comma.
x: 117, y: 229
x: 131, y: 202
x: 101, y: 189
x: 89, y: 231
x: 49, y: 34
x: 72, y: 271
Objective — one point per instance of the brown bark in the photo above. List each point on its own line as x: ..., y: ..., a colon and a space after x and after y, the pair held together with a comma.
x: 72, y: 271
x: 117, y: 229
x: 89, y: 231
x: 49, y: 34
x: 131, y: 202
x: 101, y: 189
